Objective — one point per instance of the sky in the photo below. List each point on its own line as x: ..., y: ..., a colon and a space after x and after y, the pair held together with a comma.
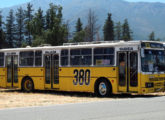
x: 8, y: 3
x: 146, y: 1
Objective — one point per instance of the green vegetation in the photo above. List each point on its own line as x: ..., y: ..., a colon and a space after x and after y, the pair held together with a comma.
x: 24, y: 27
x: 108, y: 29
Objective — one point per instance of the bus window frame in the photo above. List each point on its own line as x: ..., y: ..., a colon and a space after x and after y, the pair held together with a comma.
x: 114, y: 57
x: 33, y: 59
x: 3, y: 60
x: 41, y: 58
x: 60, y: 60
x: 69, y: 62
x: 92, y: 57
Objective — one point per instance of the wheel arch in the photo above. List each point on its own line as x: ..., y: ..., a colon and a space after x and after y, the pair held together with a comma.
x: 24, y: 78
x: 102, y: 78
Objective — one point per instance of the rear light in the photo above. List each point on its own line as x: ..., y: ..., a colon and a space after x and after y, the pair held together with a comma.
x: 149, y: 85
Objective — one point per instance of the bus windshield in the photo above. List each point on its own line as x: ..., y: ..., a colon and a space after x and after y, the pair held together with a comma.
x: 153, y: 61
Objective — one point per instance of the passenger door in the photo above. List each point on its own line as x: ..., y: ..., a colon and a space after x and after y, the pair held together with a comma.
x: 128, y: 71
x: 51, y: 71
x: 12, y: 71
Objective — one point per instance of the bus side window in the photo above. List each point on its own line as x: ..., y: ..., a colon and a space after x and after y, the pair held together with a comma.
x: 86, y: 56
x: 26, y: 58
x: 38, y: 58
x: 64, y: 57
x: 81, y: 57
x: 103, y: 56
x: 1, y: 59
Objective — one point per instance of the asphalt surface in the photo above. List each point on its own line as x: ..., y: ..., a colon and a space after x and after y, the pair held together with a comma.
x: 147, y: 108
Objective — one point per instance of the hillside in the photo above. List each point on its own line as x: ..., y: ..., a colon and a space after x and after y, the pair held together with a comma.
x: 143, y: 17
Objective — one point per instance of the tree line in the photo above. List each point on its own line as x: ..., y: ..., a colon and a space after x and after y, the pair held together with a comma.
x: 24, y: 27
x: 111, y: 31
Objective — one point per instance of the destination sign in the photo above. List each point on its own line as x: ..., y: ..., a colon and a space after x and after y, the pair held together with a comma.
x: 13, y: 53
x: 151, y: 45
x: 126, y: 49
x: 50, y: 52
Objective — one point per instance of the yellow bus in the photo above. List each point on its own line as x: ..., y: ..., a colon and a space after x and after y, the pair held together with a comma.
x: 102, y: 68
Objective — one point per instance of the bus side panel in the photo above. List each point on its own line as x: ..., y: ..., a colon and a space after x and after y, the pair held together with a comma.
x: 3, y: 77
x: 68, y: 77
x: 36, y: 74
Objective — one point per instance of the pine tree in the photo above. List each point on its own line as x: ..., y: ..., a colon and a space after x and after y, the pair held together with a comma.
x: 10, y: 30
x: 37, y: 24
x: 29, y: 16
x: 118, y: 31
x: 55, y: 15
x: 108, y: 29
x: 152, y: 36
x: 20, y: 26
x: 58, y: 32
x: 47, y: 17
x: 79, y: 35
x: 2, y: 34
x: 79, y: 25
x: 126, y: 32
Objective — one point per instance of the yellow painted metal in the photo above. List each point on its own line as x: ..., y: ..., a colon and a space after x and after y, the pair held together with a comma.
x: 37, y: 75
x: 156, y: 79
x: 67, y: 77
x: 3, y: 77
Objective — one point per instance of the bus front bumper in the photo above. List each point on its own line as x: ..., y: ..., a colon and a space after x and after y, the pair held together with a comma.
x: 152, y: 90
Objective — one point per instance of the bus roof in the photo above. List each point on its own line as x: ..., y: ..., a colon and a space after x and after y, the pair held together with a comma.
x: 81, y: 45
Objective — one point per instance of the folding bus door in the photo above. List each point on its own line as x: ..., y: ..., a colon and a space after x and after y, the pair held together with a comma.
x: 12, y: 71
x: 128, y: 71
x: 51, y: 71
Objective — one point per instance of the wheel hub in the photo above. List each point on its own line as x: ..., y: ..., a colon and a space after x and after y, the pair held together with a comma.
x: 28, y: 85
x: 102, y: 88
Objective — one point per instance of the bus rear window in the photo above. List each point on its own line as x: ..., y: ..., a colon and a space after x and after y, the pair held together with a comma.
x: 1, y: 59
x: 26, y: 58
x: 103, y: 56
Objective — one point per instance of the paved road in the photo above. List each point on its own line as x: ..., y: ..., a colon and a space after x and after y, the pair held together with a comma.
x: 152, y: 108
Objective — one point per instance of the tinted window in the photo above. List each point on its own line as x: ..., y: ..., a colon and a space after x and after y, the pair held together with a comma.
x: 103, y: 56
x: 153, y: 61
x: 1, y: 59
x: 81, y: 57
x: 75, y: 52
x: 38, y: 58
x: 26, y: 58
x: 64, y: 57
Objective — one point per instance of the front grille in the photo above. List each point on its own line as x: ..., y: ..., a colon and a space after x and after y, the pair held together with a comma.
x: 158, y: 84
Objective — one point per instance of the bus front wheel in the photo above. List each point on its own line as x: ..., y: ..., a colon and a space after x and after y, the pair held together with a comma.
x: 27, y: 85
x: 103, y: 88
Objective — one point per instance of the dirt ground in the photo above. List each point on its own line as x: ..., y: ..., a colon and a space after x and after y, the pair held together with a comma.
x: 16, y: 98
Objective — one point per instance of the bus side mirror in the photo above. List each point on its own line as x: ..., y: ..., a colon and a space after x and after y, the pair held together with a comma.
x: 142, y: 53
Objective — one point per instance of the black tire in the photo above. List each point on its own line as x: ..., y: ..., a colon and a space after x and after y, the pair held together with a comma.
x: 103, y: 88
x: 27, y: 85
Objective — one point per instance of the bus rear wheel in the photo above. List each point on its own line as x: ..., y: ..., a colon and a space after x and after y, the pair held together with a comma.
x: 103, y: 88
x: 27, y: 85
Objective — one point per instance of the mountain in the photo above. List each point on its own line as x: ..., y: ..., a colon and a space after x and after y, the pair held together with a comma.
x: 143, y: 17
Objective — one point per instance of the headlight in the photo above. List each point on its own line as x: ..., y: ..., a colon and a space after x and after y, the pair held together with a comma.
x: 149, y: 85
